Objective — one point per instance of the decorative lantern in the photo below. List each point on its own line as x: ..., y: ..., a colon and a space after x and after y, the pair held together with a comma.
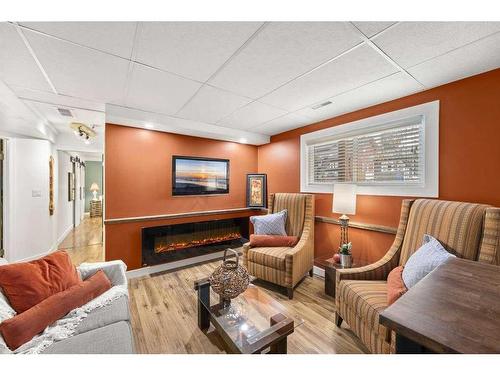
x: 230, y: 279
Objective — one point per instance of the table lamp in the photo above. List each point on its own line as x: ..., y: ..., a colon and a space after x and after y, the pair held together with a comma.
x: 344, y: 202
x: 94, y: 188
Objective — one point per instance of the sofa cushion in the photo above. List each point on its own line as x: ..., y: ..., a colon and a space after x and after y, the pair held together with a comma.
x: 273, y: 257
x: 272, y: 241
x: 272, y: 224
x: 364, y: 300
x: 23, y: 327
x: 27, y: 284
x: 116, y: 311
x: 115, y: 338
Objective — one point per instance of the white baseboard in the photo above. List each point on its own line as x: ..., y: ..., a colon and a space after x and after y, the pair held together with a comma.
x: 62, y: 237
x: 144, y: 271
x: 318, y: 271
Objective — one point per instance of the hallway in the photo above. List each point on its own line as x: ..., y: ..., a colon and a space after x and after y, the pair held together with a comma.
x: 84, y: 243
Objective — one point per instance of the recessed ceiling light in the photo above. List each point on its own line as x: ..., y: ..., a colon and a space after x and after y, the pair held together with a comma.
x: 243, y: 140
x: 317, y: 106
x: 149, y: 126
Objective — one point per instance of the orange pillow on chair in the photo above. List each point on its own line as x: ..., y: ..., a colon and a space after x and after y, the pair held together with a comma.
x: 29, y: 283
x: 265, y: 240
x: 395, y: 285
x: 22, y: 328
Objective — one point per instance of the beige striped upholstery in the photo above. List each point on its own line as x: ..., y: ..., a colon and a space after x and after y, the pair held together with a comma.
x: 490, y: 244
x: 469, y: 230
x: 457, y: 226
x: 286, y: 266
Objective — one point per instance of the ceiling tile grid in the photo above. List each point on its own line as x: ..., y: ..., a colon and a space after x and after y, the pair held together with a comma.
x: 410, y: 43
x: 262, y: 77
x: 116, y: 38
x: 79, y: 71
x: 356, y: 68
x: 191, y: 49
x: 210, y: 104
x: 251, y: 115
x: 154, y: 90
x: 281, y: 52
x: 17, y: 66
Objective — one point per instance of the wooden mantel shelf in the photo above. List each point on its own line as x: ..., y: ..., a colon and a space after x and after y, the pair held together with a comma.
x: 179, y: 215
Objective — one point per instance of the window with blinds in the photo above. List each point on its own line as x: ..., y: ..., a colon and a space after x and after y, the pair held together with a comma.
x: 393, y: 155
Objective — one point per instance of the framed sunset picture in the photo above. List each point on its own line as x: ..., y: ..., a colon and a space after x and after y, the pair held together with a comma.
x: 199, y: 176
x: 257, y: 190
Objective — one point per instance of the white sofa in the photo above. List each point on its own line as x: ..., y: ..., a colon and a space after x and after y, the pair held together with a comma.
x: 105, y: 330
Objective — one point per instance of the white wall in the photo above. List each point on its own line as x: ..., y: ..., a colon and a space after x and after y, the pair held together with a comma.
x: 30, y: 230
x: 64, y: 207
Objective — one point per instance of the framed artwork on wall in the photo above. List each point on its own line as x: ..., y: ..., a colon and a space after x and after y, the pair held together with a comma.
x: 71, y: 187
x: 257, y: 190
x: 51, y: 186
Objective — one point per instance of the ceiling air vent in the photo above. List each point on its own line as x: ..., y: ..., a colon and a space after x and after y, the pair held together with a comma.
x: 64, y: 112
x: 318, y: 106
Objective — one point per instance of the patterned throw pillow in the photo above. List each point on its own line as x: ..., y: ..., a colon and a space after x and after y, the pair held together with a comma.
x: 270, y: 224
x: 430, y: 255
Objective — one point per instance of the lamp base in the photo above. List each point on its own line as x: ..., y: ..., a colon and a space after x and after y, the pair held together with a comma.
x: 95, y: 195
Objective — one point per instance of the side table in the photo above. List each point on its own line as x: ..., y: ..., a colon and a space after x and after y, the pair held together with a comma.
x: 95, y: 208
x: 330, y: 266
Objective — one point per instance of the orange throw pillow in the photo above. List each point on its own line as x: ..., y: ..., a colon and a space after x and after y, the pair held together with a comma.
x: 22, y: 328
x: 395, y: 285
x: 265, y: 240
x: 29, y: 283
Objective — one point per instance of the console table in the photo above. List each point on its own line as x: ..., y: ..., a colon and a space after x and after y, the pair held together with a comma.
x: 454, y: 309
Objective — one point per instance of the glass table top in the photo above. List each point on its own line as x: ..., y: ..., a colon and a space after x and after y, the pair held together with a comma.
x: 248, y: 318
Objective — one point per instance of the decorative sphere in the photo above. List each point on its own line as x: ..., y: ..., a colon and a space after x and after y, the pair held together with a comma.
x: 336, y: 258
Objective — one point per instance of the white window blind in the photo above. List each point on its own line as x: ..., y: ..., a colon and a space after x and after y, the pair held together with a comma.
x: 390, y: 156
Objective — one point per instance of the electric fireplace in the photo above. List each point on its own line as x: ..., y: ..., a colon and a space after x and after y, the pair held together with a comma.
x: 175, y: 242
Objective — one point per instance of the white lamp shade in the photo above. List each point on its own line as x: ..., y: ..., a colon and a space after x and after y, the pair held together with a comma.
x: 344, y: 199
x: 94, y: 187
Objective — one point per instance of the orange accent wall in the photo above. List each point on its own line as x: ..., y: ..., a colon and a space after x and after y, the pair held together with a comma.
x: 138, y: 174
x: 469, y: 159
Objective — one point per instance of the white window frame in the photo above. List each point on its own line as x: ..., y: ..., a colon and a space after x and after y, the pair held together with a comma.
x: 429, y: 112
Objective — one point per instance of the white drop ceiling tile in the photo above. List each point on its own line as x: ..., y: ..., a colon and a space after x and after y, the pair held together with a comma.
x: 410, y: 43
x: 392, y: 87
x: 211, y: 104
x: 80, y: 71
x: 113, y: 37
x: 17, y: 66
x: 283, y: 51
x: 251, y: 115
x: 57, y: 100
x: 475, y: 58
x: 192, y: 49
x: 354, y: 69
x: 282, y: 124
x: 370, y: 28
x: 157, y: 91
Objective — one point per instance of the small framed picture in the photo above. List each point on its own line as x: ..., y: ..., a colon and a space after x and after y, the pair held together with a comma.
x: 257, y: 190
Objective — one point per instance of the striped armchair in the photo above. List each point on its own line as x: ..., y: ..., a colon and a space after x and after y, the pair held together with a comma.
x: 286, y: 266
x: 468, y: 230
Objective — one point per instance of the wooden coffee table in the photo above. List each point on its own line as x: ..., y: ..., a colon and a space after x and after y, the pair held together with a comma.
x: 330, y: 266
x: 454, y: 309
x: 252, y: 323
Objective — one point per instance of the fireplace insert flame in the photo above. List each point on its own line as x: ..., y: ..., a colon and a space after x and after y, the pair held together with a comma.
x: 164, y: 245
x: 179, y: 241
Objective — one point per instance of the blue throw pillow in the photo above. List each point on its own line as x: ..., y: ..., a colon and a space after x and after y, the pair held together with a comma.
x: 430, y: 255
x: 273, y: 224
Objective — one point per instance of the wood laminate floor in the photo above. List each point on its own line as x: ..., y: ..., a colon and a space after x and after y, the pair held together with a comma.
x: 164, y: 307
x: 164, y: 316
x: 84, y: 243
